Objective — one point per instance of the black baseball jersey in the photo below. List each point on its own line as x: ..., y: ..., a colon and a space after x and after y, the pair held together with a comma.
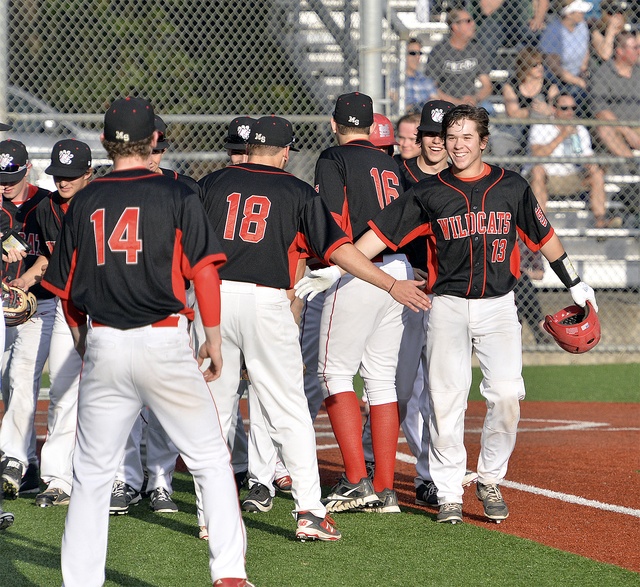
x: 471, y: 229
x: 411, y: 174
x: 23, y: 220
x: 356, y: 181
x: 185, y: 179
x: 266, y: 220
x: 49, y: 214
x: 128, y: 242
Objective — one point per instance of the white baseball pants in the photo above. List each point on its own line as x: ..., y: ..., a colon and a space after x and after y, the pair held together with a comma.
x: 122, y: 372
x: 64, y: 374
x: 457, y: 327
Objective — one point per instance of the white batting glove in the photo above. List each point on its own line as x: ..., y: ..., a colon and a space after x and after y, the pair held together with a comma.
x: 317, y: 281
x: 583, y: 293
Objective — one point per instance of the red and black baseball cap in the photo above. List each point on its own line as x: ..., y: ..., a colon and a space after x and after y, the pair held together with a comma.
x: 129, y: 120
x: 432, y: 114
x: 238, y: 133
x: 69, y: 159
x: 13, y: 160
x: 273, y: 131
x: 354, y: 109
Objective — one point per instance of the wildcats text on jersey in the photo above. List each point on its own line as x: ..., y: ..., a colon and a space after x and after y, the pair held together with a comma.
x: 462, y: 226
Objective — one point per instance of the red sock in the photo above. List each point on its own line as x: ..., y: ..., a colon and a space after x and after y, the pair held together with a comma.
x: 385, y: 424
x: 346, y: 421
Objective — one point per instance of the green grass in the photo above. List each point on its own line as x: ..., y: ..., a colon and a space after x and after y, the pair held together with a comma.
x: 146, y: 549
x: 577, y: 383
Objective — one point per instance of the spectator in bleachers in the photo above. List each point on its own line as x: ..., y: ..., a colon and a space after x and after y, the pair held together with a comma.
x: 508, y: 23
x: 567, y: 179
x: 406, y: 133
x: 615, y: 91
x: 417, y: 86
x: 565, y: 45
x: 458, y: 61
x: 528, y: 93
x: 604, y: 30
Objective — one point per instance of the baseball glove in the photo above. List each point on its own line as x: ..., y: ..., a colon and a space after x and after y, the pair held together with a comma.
x: 18, y: 305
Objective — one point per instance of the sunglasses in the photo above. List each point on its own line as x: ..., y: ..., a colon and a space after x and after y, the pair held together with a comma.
x: 566, y: 107
x: 414, y: 53
x: 463, y: 21
x: 13, y: 168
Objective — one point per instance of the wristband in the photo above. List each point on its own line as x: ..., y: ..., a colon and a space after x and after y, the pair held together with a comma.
x: 394, y: 282
x: 565, y: 271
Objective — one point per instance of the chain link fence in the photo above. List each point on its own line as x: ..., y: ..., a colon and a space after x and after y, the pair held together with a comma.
x: 537, y: 66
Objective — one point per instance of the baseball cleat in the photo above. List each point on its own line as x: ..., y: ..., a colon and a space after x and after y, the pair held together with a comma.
x: 388, y: 499
x: 345, y: 496
x: 161, y: 502
x: 312, y: 527
x: 52, y: 496
x: 258, y: 499
x: 123, y: 496
x: 469, y: 478
x: 450, y: 513
x: 31, y: 480
x: 6, y: 519
x: 284, y: 484
x: 427, y: 494
x: 12, y: 470
x: 494, y: 506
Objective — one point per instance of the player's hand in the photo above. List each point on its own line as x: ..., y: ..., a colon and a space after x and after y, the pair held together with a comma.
x: 583, y: 293
x: 317, y: 281
x: 21, y: 283
x: 13, y: 255
x: 420, y: 274
x: 210, y: 351
x: 409, y: 293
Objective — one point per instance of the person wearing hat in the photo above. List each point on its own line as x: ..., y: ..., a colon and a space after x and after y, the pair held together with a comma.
x: 135, y: 479
x: 410, y: 385
x: 360, y: 328
x: 119, y: 265
x: 565, y: 45
x: 26, y: 345
x: 381, y: 134
x: 267, y: 220
x: 71, y: 170
x: 6, y: 518
x: 236, y: 140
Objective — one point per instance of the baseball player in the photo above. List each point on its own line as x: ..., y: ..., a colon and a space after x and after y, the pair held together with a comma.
x: 119, y: 265
x: 153, y: 477
x: 267, y: 219
x: 6, y: 518
x: 361, y: 329
x: 472, y: 213
x: 411, y: 387
x: 71, y: 170
x: 26, y: 345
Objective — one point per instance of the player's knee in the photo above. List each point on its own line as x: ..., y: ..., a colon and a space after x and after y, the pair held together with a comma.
x: 503, y: 403
x: 380, y: 392
x: 333, y: 384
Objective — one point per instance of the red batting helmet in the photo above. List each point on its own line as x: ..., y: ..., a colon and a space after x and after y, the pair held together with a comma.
x: 575, y: 329
x: 381, y: 134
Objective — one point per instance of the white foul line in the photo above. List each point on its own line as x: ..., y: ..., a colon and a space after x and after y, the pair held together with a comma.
x: 565, y: 497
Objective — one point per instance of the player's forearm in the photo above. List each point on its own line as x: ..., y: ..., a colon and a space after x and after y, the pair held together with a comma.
x: 34, y: 274
x: 353, y: 261
x: 207, y: 286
